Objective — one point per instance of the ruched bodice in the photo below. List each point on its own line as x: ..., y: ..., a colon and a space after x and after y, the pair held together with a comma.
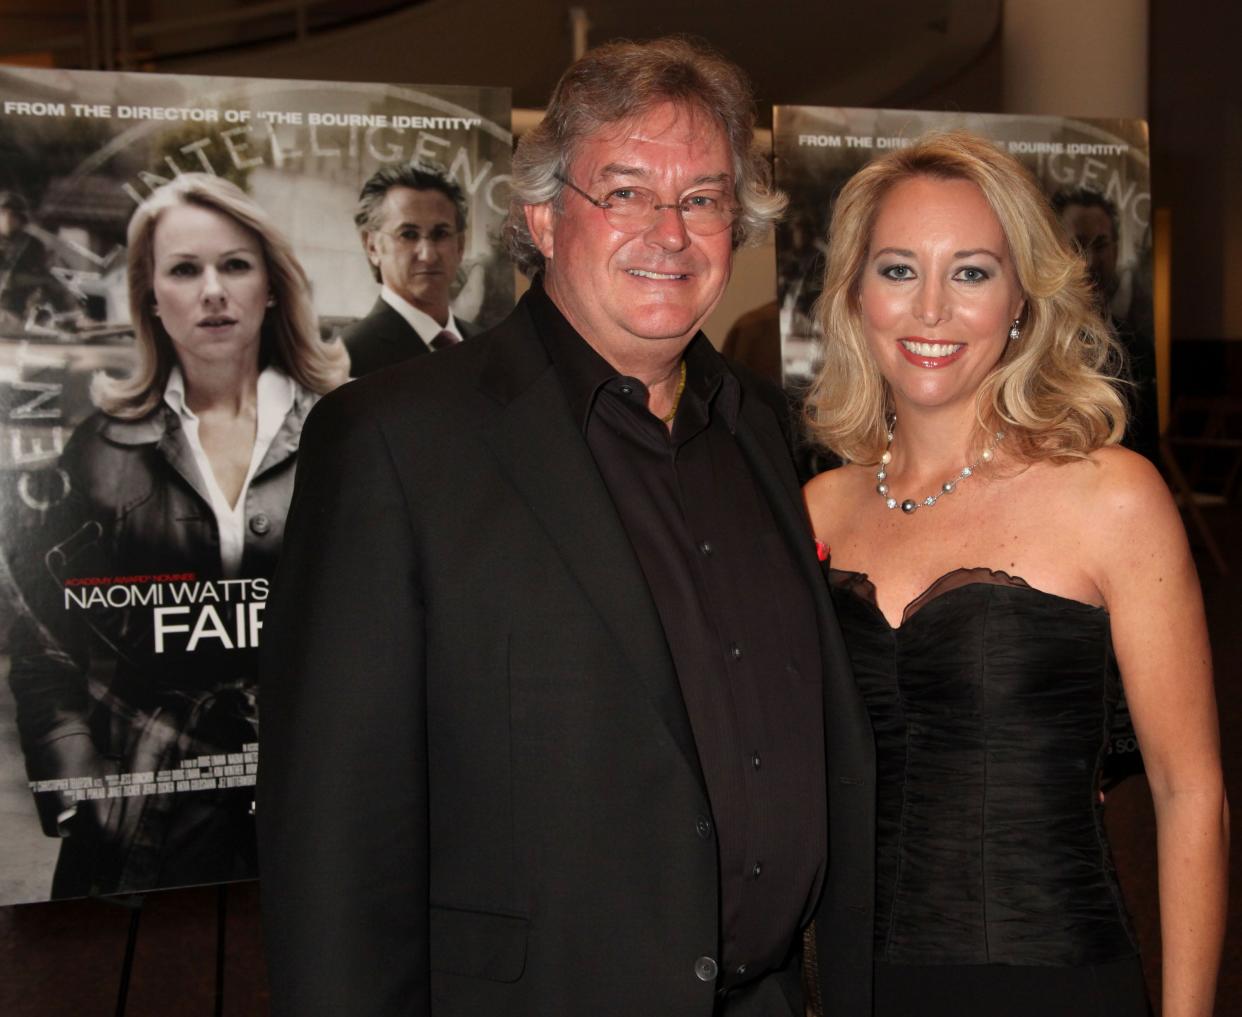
x: 991, y: 704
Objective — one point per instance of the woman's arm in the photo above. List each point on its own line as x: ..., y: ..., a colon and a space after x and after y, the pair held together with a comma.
x: 1152, y: 592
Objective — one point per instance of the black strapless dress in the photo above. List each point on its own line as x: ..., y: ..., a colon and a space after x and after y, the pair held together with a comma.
x: 995, y: 890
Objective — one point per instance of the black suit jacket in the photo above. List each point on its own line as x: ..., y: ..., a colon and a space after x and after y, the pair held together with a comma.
x: 480, y: 793
x: 383, y: 337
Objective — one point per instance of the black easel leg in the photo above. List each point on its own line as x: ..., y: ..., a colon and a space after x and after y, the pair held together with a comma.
x: 222, y: 896
x: 131, y: 940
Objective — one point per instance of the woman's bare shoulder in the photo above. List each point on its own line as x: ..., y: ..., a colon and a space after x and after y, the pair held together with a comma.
x: 832, y: 483
x: 1126, y: 517
x: 829, y: 493
x: 1115, y: 484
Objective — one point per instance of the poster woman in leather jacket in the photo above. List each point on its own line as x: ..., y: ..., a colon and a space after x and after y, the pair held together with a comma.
x: 137, y: 657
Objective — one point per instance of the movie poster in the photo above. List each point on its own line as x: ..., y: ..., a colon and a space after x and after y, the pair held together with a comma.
x: 1096, y: 173
x: 137, y: 534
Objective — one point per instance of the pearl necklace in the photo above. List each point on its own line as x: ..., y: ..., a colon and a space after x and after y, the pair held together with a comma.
x: 909, y: 505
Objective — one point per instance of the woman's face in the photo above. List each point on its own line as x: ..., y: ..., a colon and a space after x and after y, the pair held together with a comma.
x: 210, y: 283
x: 938, y: 292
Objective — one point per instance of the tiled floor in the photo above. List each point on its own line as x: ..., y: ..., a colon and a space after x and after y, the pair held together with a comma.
x: 65, y: 958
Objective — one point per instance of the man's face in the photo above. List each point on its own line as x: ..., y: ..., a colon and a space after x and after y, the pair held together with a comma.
x: 632, y: 296
x: 417, y: 248
x: 1092, y: 230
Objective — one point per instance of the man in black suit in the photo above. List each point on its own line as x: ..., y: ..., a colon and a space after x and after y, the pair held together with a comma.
x: 412, y: 222
x: 549, y: 659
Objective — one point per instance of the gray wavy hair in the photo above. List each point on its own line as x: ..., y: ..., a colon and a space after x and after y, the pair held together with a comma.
x: 623, y: 80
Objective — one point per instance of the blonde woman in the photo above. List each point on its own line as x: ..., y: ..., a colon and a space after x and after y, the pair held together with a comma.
x: 185, y: 471
x: 1000, y: 568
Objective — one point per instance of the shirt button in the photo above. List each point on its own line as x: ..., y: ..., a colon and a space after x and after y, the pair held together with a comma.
x: 741, y: 969
x: 755, y: 761
x: 756, y: 870
x: 627, y: 389
x: 705, y: 548
x: 705, y: 969
x: 736, y: 651
x: 703, y: 827
x: 260, y: 524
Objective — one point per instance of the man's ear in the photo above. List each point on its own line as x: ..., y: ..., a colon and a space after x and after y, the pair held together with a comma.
x: 369, y: 245
x: 539, y: 219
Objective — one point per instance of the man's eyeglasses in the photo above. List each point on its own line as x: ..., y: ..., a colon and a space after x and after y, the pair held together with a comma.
x: 635, y: 209
x: 412, y: 236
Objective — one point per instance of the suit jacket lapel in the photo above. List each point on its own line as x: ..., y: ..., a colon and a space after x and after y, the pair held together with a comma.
x: 163, y: 430
x: 766, y: 447
x: 397, y: 334
x: 547, y: 460
x: 764, y: 444
x: 845, y: 719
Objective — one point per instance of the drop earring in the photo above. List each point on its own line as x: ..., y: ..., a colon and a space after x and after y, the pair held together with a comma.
x: 1015, y: 331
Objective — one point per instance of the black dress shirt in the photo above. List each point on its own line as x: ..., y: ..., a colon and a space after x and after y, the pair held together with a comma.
x: 740, y: 626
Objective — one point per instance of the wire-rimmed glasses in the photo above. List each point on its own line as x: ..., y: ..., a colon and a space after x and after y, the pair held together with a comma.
x: 630, y: 209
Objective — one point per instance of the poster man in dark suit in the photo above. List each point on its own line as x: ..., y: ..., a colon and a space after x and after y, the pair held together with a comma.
x: 412, y: 222
x: 557, y: 720
x: 1092, y: 223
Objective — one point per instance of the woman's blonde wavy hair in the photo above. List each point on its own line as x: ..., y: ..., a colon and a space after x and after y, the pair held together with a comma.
x: 1054, y: 391
x: 290, y: 337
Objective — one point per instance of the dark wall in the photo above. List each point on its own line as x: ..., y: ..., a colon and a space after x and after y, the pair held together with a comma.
x: 1196, y: 135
